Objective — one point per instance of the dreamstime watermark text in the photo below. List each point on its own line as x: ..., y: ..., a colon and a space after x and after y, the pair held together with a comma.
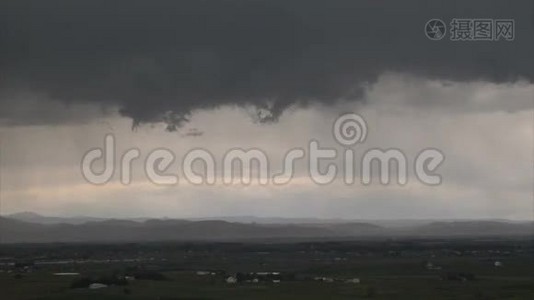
x: 349, y: 131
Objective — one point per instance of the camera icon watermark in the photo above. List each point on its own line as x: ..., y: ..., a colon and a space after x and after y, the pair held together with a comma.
x: 435, y: 29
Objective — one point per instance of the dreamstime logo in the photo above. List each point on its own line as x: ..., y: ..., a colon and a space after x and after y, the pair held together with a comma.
x: 348, y: 130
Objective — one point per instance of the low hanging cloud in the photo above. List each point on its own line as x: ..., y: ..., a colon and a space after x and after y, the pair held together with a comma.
x: 159, y: 61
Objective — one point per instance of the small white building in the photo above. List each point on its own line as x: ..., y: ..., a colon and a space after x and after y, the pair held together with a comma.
x: 203, y: 273
x: 96, y: 285
x: 328, y: 279
x: 231, y: 279
x: 324, y: 279
x: 498, y: 264
x: 431, y: 266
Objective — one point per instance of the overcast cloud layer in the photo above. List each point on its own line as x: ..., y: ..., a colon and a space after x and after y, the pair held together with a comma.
x: 161, y: 60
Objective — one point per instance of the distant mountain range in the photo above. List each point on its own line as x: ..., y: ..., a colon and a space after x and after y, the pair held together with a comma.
x: 34, y: 228
x: 36, y: 218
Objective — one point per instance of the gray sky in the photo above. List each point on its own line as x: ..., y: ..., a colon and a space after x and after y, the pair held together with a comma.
x: 271, y: 75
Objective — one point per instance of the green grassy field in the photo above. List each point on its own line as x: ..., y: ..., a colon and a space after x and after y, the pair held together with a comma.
x: 382, y: 275
x: 380, y: 279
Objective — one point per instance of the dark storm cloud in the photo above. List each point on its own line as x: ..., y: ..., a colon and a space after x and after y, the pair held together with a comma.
x: 161, y: 60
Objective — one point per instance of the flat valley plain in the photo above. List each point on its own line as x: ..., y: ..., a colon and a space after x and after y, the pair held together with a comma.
x: 497, y: 268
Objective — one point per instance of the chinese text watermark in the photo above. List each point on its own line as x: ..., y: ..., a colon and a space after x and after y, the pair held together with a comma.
x: 471, y: 29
